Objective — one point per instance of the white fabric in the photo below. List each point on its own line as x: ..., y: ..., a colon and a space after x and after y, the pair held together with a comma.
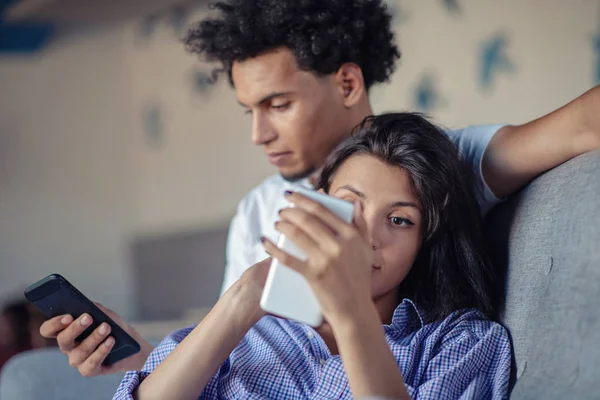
x: 257, y: 212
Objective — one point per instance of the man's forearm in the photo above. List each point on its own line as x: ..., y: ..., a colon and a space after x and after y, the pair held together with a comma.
x: 368, y: 361
x: 518, y: 154
x: 186, y: 371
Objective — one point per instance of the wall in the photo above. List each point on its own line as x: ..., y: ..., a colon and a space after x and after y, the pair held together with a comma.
x: 65, y: 179
x: 541, y: 55
x: 200, y: 165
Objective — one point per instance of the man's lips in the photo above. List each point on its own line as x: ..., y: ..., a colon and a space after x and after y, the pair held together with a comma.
x: 377, y: 267
x: 279, y: 158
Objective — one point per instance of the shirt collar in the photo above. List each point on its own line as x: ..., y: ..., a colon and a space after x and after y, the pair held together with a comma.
x: 408, y: 316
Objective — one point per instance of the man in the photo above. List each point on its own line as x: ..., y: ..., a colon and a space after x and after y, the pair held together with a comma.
x: 303, y: 69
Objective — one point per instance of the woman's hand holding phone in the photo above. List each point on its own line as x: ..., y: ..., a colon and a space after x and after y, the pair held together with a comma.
x: 88, y: 355
x: 339, y: 254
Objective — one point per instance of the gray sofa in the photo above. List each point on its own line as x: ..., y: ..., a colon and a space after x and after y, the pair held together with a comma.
x: 549, y: 237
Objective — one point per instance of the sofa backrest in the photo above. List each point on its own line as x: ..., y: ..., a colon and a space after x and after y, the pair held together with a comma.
x: 549, y: 237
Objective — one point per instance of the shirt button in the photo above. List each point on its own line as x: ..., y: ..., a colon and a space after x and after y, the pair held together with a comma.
x: 323, y: 362
x: 310, y: 335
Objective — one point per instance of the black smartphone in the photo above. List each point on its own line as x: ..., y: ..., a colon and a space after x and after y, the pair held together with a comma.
x: 55, y: 296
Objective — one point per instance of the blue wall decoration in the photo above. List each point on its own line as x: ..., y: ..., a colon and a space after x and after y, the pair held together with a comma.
x: 22, y: 37
x: 203, y: 81
x: 398, y: 14
x: 178, y: 17
x: 596, y: 50
x: 596, y: 43
x: 153, y: 125
x: 494, y: 59
x: 147, y: 27
x: 426, y: 95
x: 452, y: 6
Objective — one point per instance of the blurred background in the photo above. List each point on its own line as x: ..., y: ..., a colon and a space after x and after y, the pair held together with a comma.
x: 121, y: 162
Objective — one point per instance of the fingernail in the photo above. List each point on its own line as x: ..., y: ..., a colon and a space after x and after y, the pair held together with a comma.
x: 109, y: 342
x: 85, y: 320
x: 287, y: 192
x: 65, y: 320
x: 262, y: 239
x: 103, y: 329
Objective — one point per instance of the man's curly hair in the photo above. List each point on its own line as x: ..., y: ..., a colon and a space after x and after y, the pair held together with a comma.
x: 322, y: 34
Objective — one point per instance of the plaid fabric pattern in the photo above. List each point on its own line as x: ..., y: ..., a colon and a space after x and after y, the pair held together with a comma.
x: 465, y: 356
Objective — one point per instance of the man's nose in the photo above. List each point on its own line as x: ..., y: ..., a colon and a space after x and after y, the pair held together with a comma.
x: 262, y: 130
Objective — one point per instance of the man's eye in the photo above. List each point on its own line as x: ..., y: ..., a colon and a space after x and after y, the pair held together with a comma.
x: 280, y: 106
x: 400, y: 221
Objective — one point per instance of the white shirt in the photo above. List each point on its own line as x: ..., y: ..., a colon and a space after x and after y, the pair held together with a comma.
x: 257, y: 212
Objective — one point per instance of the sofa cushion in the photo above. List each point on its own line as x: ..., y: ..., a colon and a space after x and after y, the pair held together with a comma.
x: 549, y: 237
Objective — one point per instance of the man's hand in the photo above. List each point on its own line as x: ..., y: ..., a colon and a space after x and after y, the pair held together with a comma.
x: 88, y: 355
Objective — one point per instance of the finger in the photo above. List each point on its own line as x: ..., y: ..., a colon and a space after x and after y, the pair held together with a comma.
x: 283, y: 257
x: 312, y: 226
x: 80, y: 353
x: 66, y: 339
x: 264, y: 265
x: 52, y: 327
x: 359, y: 220
x: 92, y: 366
x: 111, y: 314
x: 300, y: 238
x: 334, y: 222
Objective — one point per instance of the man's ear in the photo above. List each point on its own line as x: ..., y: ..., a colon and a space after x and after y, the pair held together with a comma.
x: 351, y: 84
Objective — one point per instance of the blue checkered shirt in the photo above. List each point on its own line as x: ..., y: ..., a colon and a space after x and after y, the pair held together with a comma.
x: 464, y: 356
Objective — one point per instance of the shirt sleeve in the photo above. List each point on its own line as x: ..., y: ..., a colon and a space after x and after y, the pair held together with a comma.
x: 472, y: 143
x: 237, y: 260
x: 133, y: 379
x: 471, y: 366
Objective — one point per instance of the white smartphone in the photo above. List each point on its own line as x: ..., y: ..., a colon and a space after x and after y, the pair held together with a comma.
x: 287, y: 293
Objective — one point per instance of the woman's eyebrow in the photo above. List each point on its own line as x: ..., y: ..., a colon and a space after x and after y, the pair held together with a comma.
x: 363, y: 196
x: 351, y: 189
x: 405, y: 204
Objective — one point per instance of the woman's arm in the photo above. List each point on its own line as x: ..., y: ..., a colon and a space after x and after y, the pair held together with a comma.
x: 366, y: 355
x: 186, y: 371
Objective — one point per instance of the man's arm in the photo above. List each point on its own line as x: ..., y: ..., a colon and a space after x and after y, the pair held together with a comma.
x: 518, y: 154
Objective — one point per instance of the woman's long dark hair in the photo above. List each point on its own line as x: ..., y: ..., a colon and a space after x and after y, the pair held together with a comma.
x: 451, y: 271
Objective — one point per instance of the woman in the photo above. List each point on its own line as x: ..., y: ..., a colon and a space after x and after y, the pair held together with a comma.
x: 404, y: 290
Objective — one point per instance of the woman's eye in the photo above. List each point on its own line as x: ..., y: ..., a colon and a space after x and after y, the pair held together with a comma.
x: 400, y: 221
